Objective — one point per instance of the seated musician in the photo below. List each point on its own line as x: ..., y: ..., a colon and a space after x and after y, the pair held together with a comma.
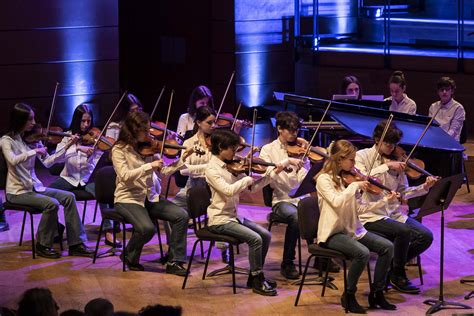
x: 200, y: 96
x: 451, y: 116
x: 339, y: 227
x: 350, y: 85
x: 287, y: 124
x: 24, y: 187
x: 410, y: 237
x: 222, y: 213
x: 400, y: 101
x: 137, y: 195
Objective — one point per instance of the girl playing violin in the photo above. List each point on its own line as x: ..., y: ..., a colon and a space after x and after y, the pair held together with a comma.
x: 24, y: 187
x: 222, y: 213
x: 137, y: 194
x: 200, y: 96
x: 410, y: 237
x: 340, y: 229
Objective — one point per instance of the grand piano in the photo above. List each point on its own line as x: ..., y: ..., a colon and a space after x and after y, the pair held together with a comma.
x: 441, y: 153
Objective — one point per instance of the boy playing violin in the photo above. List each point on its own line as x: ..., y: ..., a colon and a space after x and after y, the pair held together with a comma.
x: 410, y: 238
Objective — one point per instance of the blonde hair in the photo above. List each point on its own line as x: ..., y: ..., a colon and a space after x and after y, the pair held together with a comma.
x: 338, y: 151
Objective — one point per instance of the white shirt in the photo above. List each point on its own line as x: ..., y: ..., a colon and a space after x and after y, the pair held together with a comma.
x: 450, y: 117
x: 113, y: 130
x: 78, y: 167
x: 338, y: 208
x: 196, y: 164
x: 136, y: 179
x: 406, y: 105
x: 283, y: 182
x: 20, y: 159
x: 225, y: 189
x: 185, y: 123
x: 393, y: 180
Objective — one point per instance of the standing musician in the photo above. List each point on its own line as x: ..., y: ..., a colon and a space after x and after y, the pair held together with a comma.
x: 24, y: 187
x: 451, y: 116
x: 200, y: 96
x: 410, y: 237
x: 222, y: 213
x: 137, y: 194
x: 340, y: 229
x: 400, y: 101
x: 287, y: 124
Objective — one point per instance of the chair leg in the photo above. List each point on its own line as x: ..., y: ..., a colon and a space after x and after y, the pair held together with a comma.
x: 157, y: 224
x: 466, y: 177
x: 325, y: 279
x: 98, y: 241
x: 420, y: 271
x: 189, y: 264
x: 369, y: 275
x: 95, y: 210
x: 84, y: 212
x: 232, y: 266
x: 345, y: 284
x: 22, y: 228
x: 302, y: 279
x: 33, y: 246
x: 211, y: 244
x: 299, y: 256
x: 238, y: 250
x: 124, y: 236
x: 60, y: 234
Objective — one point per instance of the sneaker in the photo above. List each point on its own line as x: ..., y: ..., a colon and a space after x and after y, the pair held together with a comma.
x: 47, y: 252
x: 175, y: 268
x: 403, y: 285
x: 288, y: 270
x: 261, y: 286
x: 81, y: 250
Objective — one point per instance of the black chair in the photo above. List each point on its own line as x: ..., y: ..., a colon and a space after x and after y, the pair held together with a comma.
x: 275, y: 219
x: 7, y: 205
x: 462, y: 140
x: 308, y: 219
x: 198, y: 201
x: 104, y: 193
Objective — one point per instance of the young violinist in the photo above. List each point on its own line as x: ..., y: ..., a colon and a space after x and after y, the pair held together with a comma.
x: 287, y: 124
x: 451, y: 116
x: 222, y: 213
x: 200, y: 96
x: 340, y: 229
x: 80, y: 160
x: 24, y: 187
x: 137, y: 194
x: 410, y: 237
x: 400, y: 101
x: 350, y: 85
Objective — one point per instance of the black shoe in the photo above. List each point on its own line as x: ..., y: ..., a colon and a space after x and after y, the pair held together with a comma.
x: 402, y: 284
x: 57, y: 239
x: 132, y: 266
x: 323, y: 263
x: 261, y: 286
x: 117, y: 243
x: 81, y: 250
x: 47, y: 252
x: 4, y: 226
x: 376, y: 298
x: 288, y: 270
x: 270, y: 282
x: 352, y: 305
x: 225, y: 255
x: 175, y: 268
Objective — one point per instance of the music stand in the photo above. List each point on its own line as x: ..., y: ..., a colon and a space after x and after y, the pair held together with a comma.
x: 470, y: 294
x: 307, y: 185
x: 438, y: 199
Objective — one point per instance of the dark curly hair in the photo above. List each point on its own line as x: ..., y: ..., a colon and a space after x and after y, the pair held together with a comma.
x: 393, y: 135
x: 133, y: 124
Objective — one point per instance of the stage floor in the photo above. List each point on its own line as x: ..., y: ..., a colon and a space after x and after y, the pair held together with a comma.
x: 74, y: 281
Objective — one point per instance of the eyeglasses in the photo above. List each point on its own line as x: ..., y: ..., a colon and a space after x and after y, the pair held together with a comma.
x: 390, y: 144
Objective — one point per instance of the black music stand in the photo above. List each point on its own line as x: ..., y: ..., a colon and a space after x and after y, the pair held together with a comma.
x: 438, y: 199
x: 470, y: 294
x: 307, y: 185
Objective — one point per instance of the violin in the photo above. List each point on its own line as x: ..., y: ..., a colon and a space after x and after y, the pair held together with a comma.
x: 415, y: 167
x: 241, y: 165
x: 225, y: 120
x: 38, y: 133
x: 158, y: 128
x: 375, y: 186
x: 298, y: 149
x: 171, y: 149
x: 104, y: 143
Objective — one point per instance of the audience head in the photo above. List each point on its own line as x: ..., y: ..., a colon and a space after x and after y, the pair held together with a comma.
x: 37, y: 302
x: 160, y: 310
x: 99, y: 307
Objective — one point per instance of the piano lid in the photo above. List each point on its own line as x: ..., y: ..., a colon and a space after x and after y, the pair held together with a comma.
x: 362, y: 120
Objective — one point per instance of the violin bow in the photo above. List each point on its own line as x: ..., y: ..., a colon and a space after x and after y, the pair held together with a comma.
x: 166, y: 123
x: 235, y: 116
x: 377, y: 152
x: 157, y: 102
x: 254, y: 120
x: 225, y: 94
x: 108, y: 121
x: 422, y: 135
x: 53, y: 105
x: 316, y: 131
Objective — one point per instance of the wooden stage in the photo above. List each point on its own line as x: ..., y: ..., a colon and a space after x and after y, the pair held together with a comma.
x: 74, y: 281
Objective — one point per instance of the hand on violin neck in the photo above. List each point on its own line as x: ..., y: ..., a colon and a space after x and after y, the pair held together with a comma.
x: 73, y: 140
x: 398, y: 166
x: 157, y: 164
